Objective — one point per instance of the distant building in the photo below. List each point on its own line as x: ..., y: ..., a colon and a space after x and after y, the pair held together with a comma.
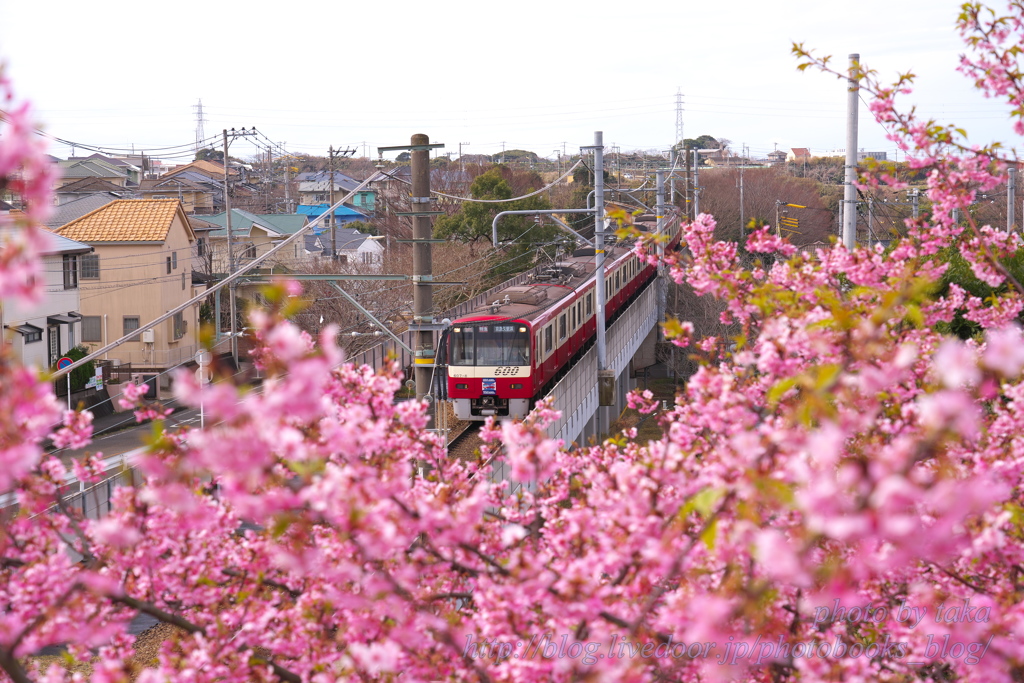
x: 861, y: 155
x: 798, y: 154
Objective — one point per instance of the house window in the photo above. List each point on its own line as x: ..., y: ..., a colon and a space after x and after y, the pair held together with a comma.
x: 131, y: 323
x: 201, y: 247
x: 70, y: 272
x: 179, y: 325
x: 35, y: 334
x: 250, y: 251
x: 53, y: 337
x: 548, y: 341
x: 174, y: 260
x: 183, y: 281
x: 168, y: 265
x: 90, y: 266
x: 92, y: 330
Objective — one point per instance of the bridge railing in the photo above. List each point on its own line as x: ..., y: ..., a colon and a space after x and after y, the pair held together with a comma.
x: 575, y: 395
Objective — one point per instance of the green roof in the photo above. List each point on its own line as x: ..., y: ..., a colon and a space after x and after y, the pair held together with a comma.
x: 282, y: 223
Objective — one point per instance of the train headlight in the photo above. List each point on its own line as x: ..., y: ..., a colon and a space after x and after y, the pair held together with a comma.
x: 522, y: 329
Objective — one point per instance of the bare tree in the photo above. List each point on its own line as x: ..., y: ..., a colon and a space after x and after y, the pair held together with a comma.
x: 763, y: 190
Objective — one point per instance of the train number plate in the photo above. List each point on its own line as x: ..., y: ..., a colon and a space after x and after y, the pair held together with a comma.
x: 507, y: 371
x: 490, y: 385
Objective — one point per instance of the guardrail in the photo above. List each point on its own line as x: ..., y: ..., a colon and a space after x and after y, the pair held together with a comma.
x: 92, y: 499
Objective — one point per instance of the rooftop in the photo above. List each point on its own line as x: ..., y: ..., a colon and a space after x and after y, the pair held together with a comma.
x: 126, y: 220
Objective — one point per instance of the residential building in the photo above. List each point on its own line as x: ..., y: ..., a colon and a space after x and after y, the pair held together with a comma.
x: 85, y: 187
x: 43, y: 332
x: 76, y: 208
x: 210, y: 169
x: 198, y: 193
x: 861, y: 155
x: 315, y: 188
x: 97, y: 166
x: 342, y: 215
x: 253, y: 235
x: 354, y: 248
x: 141, y: 268
x: 798, y: 154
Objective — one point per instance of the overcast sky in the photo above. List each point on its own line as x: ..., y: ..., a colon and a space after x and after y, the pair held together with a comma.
x: 527, y: 74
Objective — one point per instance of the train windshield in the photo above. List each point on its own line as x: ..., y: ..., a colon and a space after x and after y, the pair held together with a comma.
x: 504, y: 344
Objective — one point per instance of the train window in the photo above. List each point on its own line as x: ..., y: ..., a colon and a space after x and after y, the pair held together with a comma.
x: 616, y: 280
x: 573, y: 325
x: 548, y: 341
x: 561, y: 327
x: 490, y: 345
x: 462, y: 347
x: 590, y: 304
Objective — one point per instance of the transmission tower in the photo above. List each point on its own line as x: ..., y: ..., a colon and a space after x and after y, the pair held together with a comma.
x: 200, y: 135
x: 679, y: 115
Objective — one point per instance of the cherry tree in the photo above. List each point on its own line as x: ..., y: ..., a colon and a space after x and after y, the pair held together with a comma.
x: 836, y: 496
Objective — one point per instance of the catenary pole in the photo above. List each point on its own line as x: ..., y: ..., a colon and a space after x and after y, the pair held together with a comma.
x: 662, y: 285
x: 850, y: 191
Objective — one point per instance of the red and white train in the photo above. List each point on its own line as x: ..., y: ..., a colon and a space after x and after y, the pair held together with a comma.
x: 507, y: 354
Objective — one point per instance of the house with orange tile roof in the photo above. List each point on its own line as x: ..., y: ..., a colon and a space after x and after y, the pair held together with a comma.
x: 141, y: 267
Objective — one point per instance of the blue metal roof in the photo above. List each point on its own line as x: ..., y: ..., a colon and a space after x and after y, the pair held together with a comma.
x: 315, y: 210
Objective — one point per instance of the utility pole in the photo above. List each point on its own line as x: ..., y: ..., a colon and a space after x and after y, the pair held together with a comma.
x: 422, y: 267
x: 1011, y: 191
x: 914, y: 196
x: 330, y: 219
x: 605, y: 376
x: 233, y: 289
x: 871, y: 219
x: 462, y: 164
x: 288, y: 186
x: 331, y: 153
x: 850, y: 191
x: 743, y: 221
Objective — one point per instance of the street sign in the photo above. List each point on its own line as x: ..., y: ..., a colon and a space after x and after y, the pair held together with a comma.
x: 64, y: 362
x: 203, y: 358
x: 204, y: 374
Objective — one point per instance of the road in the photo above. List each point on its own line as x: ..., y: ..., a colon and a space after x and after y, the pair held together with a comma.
x: 129, y: 438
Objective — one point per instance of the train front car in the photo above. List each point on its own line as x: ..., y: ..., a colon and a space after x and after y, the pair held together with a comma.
x: 489, y: 368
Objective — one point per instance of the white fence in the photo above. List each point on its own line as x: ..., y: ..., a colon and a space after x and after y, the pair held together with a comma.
x: 575, y: 396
